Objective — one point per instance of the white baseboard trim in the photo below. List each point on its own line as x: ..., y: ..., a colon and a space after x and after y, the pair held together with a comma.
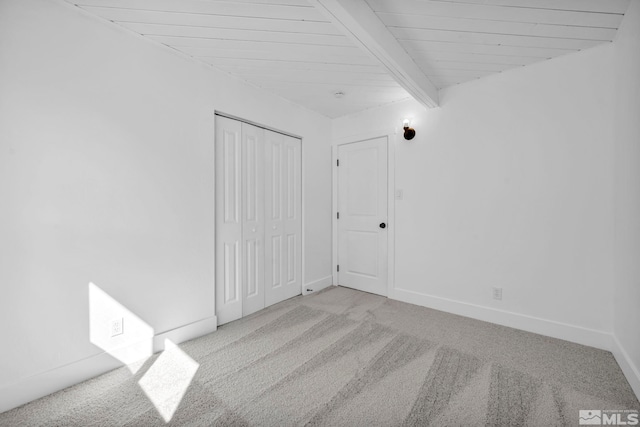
x: 629, y: 369
x: 186, y: 332
x: 550, y: 328
x: 317, y: 285
x: 44, y: 383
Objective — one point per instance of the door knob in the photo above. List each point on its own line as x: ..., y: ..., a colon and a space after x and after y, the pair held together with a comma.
x: 383, y: 225
x: 274, y: 227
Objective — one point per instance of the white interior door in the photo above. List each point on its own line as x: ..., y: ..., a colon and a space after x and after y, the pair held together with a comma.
x: 283, y: 225
x: 228, y: 219
x: 252, y: 218
x: 362, y: 222
x: 258, y: 218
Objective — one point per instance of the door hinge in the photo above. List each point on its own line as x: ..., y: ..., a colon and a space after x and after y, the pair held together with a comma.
x: 338, y: 267
x: 337, y: 215
x: 337, y: 162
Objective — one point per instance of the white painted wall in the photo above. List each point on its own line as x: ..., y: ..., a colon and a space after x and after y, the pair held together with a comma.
x: 106, y: 176
x: 626, y: 304
x: 509, y: 184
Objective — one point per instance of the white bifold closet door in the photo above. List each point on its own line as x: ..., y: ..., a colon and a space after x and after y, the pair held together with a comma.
x: 258, y: 224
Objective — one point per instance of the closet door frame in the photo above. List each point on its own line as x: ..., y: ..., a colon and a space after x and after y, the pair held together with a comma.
x: 219, y: 250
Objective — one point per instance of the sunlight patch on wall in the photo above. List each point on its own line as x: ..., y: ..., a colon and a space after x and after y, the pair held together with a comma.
x: 118, y: 331
x: 123, y: 335
x: 168, y: 379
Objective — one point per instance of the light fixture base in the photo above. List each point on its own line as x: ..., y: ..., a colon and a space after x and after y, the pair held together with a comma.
x: 409, y: 133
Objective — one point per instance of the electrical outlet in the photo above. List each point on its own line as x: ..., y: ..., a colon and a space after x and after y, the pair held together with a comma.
x: 497, y: 293
x: 399, y: 194
x: 117, y: 327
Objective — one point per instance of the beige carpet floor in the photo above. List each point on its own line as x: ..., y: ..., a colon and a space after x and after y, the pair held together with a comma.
x: 343, y: 357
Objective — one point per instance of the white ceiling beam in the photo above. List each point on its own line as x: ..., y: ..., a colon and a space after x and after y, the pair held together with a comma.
x: 356, y: 19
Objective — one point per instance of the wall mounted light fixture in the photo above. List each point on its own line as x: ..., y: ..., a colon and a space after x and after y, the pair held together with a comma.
x: 409, y: 132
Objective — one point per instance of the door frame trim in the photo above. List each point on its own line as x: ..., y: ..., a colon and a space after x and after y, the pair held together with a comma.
x: 392, y: 140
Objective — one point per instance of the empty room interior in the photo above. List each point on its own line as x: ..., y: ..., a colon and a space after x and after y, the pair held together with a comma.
x: 319, y: 212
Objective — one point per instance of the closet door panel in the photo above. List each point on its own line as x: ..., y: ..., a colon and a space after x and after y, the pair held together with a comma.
x: 253, y: 209
x: 273, y: 209
x: 228, y: 221
x: 283, y: 225
x: 293, y: 219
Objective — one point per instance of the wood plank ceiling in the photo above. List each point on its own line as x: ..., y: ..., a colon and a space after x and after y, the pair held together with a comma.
x: 289, y: 47
x: 455, y: 41
x: 285, y: 46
